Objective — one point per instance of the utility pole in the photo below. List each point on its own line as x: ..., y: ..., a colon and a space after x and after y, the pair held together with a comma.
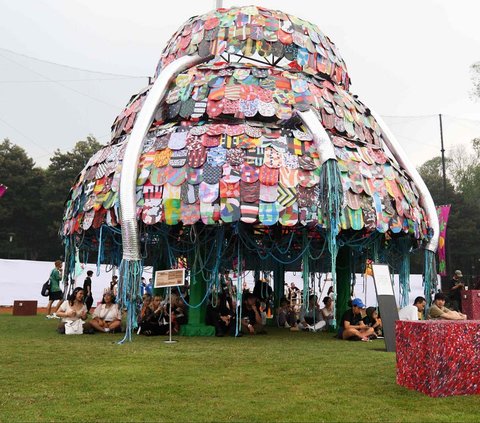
x: 443, y: 161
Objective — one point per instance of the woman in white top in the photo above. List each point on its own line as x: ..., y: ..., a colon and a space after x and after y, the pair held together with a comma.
x: 73, y: 313
x: 327, y: 311
x: 107, y: 316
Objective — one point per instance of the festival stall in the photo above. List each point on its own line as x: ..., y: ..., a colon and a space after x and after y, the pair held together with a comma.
x: 249, y: 151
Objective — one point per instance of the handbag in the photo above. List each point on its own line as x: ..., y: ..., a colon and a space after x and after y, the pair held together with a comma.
x: 74, y: 327
x: 45, y: 289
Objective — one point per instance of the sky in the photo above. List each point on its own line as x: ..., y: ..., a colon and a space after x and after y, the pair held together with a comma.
x: 409, y: 61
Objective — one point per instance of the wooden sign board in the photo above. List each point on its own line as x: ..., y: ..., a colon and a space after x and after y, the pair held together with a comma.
x: 166, y: 278
x: 386, y: 303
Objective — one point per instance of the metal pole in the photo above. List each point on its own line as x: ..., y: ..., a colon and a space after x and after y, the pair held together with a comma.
x: 169, y: 340
x: 219, y: 4
x: 443, y: 161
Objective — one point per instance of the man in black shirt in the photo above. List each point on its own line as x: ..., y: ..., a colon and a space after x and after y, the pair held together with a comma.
x: 251, y: 318
x: 87, y: 291
x: 352, y: 326
x: 455, y: 293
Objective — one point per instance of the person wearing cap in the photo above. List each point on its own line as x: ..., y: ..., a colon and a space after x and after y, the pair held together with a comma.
x: 352, y: 326
x: 438, y: 311
x: 455, y: 293
x: 413, y: 312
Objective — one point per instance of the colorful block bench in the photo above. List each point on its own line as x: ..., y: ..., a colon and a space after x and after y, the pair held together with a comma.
x: 439, y: 358
x: 471, y: 304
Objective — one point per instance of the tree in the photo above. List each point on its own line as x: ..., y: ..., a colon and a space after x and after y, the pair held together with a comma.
x: 21, y: 208
x: 463, y: 249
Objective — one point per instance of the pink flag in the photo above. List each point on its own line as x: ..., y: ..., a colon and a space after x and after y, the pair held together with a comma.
x: 443, y: 212
x: 3, y: 190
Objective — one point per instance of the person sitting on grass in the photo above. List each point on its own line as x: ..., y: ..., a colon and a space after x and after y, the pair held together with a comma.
x: 107, y: 317
x: 372, y: 320
x: 285, y: 314
x: 352, y: 327
x: 179, y: 311
x: 327, y: 311
x: 251, y: 318
x: 157, y: 322
x: 311, y: 318
x: 223, y: 316
x: 438, y: 311
x: 73, y: 314
x: 146, y: 310
x: 413, y: 312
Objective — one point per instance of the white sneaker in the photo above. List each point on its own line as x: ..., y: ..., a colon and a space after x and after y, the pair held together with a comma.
x: 48, y: 316
x: 54, y: 316
x: 106, y: 330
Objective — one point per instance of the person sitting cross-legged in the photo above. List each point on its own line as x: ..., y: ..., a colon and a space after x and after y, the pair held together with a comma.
x: 107, y: 317
x: 438, y: 311
x: 352, y: 326
x: 311, y: 317
x: 285, y: 314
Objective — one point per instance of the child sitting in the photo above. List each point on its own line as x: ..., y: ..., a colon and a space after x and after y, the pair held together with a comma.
x: 372, y: 320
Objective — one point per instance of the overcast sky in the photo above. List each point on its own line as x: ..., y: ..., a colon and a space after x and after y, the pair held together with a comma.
x: 408, y: 60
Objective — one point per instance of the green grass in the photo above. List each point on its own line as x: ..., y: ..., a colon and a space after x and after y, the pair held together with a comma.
x: 283, y: 376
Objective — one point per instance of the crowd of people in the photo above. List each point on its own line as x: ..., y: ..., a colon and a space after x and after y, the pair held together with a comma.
x: 159, y: 316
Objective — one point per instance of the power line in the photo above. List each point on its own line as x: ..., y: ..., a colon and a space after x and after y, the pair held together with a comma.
x: 60, y: 84
x: 25, y: 136
x: 70, y: 67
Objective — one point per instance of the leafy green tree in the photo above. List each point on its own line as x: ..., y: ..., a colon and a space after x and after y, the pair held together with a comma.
x: 463, y: 249
x: 21, y: 208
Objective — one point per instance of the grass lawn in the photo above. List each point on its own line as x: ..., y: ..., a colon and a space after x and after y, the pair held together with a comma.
x: 283, y: 376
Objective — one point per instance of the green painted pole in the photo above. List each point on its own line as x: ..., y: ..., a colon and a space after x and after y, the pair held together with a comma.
x: 343, y: 282
x: 196, y: 315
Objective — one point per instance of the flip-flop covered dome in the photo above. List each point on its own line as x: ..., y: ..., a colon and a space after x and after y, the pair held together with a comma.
x: 225, y: 146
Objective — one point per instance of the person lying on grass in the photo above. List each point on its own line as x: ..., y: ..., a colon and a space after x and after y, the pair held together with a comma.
x: 73, y: 313
x: 107, y: 317
x: 352, y: 326
x: 438, y: 311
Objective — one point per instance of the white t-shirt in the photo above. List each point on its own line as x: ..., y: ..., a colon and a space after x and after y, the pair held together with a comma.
x: 409, y: 312
x: 109, y: 314
x: 67, y: 308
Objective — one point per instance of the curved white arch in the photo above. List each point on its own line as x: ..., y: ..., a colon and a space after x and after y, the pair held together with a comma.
x: 128, y: 178
x: 426, y: 199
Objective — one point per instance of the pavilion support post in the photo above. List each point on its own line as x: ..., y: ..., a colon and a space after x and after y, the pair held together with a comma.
x: 196, y: 313
x: 278, y: 285
x: 343, y: 269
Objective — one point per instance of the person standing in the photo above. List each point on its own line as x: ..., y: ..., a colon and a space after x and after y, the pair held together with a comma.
x: 87, y: 289
x: 55, y: 290
x: 455, y: 292
x: 113, y: 286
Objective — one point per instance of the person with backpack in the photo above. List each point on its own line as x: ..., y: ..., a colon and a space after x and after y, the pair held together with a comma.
x: 55, y: 290
x: 87, y: 289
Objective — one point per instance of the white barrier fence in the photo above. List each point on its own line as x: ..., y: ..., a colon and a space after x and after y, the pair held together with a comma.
x: 23, y: 280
